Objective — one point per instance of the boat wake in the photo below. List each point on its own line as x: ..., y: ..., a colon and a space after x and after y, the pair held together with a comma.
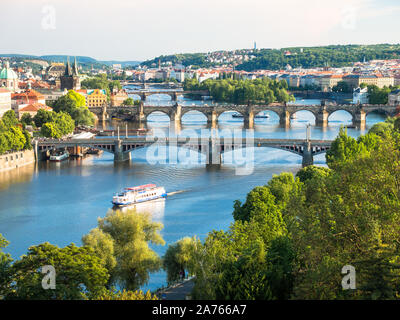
x: 176, y: 192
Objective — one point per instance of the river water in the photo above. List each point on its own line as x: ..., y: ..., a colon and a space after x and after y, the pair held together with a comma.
x: 60, y: 202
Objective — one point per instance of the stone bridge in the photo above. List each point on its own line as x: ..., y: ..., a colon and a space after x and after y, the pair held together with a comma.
x: 284, y: 112
x: 213, y: 148
x: 174, y: 94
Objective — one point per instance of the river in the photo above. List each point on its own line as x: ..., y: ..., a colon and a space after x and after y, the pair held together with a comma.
x: 60, y: 202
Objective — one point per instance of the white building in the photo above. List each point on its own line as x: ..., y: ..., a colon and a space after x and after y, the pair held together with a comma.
x: 5, y: 101
x: 360, y: 96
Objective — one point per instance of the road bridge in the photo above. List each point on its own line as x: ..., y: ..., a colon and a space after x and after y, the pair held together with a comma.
x: 213, y: 148
x: 212, y: 113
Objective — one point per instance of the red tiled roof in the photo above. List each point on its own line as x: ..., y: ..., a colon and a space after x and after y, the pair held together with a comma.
x: 35, y: 107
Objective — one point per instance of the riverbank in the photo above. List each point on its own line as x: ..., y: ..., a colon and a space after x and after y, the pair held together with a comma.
x: 10, y: 161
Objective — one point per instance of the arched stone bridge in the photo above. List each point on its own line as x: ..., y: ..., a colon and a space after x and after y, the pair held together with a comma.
x: 213, y: 148
x: 174, y: 94
x: 320, y: 112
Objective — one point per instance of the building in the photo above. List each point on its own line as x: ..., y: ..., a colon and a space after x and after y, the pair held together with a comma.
x: 5, y: 101
x: 33, y: 109
x: 8, y: 78
x: 96, y: 98
x: 55, y: 70
x: 329, y: 81
x: 22, y: 99
x: 70, y: 80
x: 394, y: 98
x: 118, y: 97
x: 360, y: 96
x: 378, y: 80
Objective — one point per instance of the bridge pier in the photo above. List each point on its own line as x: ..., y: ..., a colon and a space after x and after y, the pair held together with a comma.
x: 321, y: 118
x: 212, y: 119
x: 359, y: 119
x: 284, y: 118
x: 214, y: 157
x: 248, y: 120
x: 308, y: 159
x: 119, y: 154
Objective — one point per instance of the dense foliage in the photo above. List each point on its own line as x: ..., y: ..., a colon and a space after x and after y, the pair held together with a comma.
x: 13, y: 136
x: 311, y: 57
x: 291, y: 237
x: 115, y: 253
x: 101, y: 82
x: 121, y: 240
x: 186, y: 59
x: 243, y: 91
x: 74, y: 104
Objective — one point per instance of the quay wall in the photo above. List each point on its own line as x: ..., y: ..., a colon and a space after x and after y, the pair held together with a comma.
x: 15, y: 160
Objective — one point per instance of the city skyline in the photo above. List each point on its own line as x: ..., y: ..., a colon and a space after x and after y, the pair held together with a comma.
x: 146, y: 29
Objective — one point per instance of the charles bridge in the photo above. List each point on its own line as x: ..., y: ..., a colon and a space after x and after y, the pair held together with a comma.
x: 284, y: 112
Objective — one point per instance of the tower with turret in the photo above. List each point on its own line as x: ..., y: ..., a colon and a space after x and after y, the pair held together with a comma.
x: 70, y: 80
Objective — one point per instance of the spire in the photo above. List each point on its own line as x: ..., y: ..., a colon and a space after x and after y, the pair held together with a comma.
x: 68, y: 70
x: 75, y: 68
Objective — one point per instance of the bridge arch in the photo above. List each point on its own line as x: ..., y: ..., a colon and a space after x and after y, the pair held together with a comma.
x: 303, y: 115
x: 273, y: 115
x: 157, y: 113
x: 198, y: 116
x: 229, y: 116
x: 345, y: 114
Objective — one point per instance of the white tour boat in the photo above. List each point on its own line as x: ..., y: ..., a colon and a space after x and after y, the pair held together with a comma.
x: 59, y: 156
x: 138, y: 194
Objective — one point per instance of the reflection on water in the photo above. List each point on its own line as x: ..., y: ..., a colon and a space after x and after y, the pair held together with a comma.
x: 19, y: 175
x: 155, y: 208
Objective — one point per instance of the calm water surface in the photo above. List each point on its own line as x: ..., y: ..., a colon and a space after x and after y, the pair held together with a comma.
x: 60, y: 202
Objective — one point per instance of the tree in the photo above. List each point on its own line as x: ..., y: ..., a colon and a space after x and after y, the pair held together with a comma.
x: 50, y: 130
x: 26, y: 119
x: 74, y: 104
x: 311, y: 172
x: 126, y: 295
x: 80, y: 273
x: 9, y: 119
x: 176, y: 258
x: 5, y: 266
x: 43, y: 116
x: 342, y: 86
x: 131, y: 233
x: 128, y: 102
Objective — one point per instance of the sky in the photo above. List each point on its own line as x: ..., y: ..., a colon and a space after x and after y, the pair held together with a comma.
x: 144, y: 29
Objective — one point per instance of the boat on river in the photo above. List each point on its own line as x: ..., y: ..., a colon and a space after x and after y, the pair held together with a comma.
x: 59, y: 156
x: 138, y: 194
x: 259, y: 116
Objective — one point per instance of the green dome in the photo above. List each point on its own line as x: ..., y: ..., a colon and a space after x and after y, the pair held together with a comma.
x: 8, y: 73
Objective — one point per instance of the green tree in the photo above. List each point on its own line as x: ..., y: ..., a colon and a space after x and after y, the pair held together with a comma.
x: 131, y: 233
x: 5, y: 266
x: 176, y: 258
x: 80, y: 273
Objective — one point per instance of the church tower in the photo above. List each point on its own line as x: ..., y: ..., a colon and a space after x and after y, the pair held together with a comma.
x: 70, y: 80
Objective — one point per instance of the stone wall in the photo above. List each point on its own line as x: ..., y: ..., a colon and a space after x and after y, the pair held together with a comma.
x: 15, y: 160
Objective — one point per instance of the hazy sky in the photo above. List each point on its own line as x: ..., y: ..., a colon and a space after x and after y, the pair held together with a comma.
x: 143, y: 29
